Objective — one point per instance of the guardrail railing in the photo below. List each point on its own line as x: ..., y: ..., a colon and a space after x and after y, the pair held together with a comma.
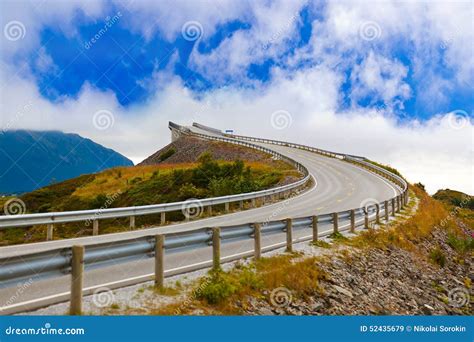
x: 50, y: 219
x: 72, y: 260
x: 361, y: 161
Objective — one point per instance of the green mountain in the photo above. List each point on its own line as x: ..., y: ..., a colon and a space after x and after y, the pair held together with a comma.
x: 32, y: 159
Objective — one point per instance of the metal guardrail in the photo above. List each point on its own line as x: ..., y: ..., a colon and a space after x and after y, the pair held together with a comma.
x: 277, y: 142
x: 57, y: 262
x: 27, y: 220
x: 71, y: 260
x: 361, y: 161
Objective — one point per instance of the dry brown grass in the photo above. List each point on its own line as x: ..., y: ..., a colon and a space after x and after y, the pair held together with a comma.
x: 408, y: 233
x: 227, y: 292
x: 120, y: 179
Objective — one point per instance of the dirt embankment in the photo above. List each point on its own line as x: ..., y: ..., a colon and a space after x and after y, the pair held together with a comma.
x: 188, y: 149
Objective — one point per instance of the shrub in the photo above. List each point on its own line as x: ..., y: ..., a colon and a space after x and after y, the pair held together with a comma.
x: 460, y: 244
x: 438, y: 256
x: 168, y: 153
x: 136, y: 180
x: 216, y: 288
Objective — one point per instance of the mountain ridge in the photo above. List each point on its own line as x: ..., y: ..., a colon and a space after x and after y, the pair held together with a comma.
x: 32, y: 159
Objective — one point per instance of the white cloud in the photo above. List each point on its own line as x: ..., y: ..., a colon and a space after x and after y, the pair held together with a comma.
x: 380, y: 78
x: 434, y: 153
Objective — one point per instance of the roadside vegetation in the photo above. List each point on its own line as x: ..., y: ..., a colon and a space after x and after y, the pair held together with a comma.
x: 424, y: 253
x: 143, y: 185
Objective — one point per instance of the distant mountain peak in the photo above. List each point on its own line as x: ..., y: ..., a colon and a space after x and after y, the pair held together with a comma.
x: 32, y: 159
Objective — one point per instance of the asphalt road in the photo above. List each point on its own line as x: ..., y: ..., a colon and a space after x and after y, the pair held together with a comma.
x: 339, y: 186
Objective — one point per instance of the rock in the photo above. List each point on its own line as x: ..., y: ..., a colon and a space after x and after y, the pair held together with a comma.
x: 265, y: 311
x: 427, y: 309
x: 316, y: 306
x: 343, y: 291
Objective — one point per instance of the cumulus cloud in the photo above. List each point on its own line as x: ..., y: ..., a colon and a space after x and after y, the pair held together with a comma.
x: 437, y: 152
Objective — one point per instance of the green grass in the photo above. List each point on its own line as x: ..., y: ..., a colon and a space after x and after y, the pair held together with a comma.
x: 438, y: 257
x: 143, y: 185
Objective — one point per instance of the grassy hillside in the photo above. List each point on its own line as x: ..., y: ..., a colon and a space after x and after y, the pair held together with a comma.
x: 459, y: 203
x: 45, y: 157
x: 418, y: 264
x: 143, y: 185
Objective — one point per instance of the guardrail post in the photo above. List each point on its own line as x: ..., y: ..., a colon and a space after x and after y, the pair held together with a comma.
x: 159, y: 260
x: 226, y: 207
x: 315, y: 228
x: 366, y: 218
x: 77, y: 280
x: 49, y: 232
x: 241, y: 205
x: 353, y: 220
x: 393, y: 206
x: 399, y: 203
x: 289, y: 235
x: 216, y: 248
x: 253, y: 202
x: 377, y: 213
x: 163, y: 218
x: 209, y: 210
x: 386, y: 210
x: 335, y: 222
x: 132, y: 222
x: 257, y: 235
x: 95, y: 227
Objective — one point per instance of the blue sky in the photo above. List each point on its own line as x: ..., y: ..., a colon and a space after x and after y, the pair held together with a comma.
x: 122, y: 60
x: 397, y: 68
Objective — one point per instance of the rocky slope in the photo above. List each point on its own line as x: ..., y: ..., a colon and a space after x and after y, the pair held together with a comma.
x: 187, y: 149
x: 419, y: 264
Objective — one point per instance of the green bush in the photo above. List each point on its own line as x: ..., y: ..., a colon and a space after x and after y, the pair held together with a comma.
x: 459, y: 244
x: 438, y: 256
x: 216, y: 287
x: 168, y: 153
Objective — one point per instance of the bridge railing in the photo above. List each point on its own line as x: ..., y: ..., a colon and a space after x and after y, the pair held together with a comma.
x: 59, y: 262
x: 361, y: 161
x: 50, y: 219
x: 72, y: 260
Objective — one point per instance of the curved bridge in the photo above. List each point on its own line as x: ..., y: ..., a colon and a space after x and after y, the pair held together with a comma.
x: 346, y: 192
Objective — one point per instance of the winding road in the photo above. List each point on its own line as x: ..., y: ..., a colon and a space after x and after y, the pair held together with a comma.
x: 338, y: 186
